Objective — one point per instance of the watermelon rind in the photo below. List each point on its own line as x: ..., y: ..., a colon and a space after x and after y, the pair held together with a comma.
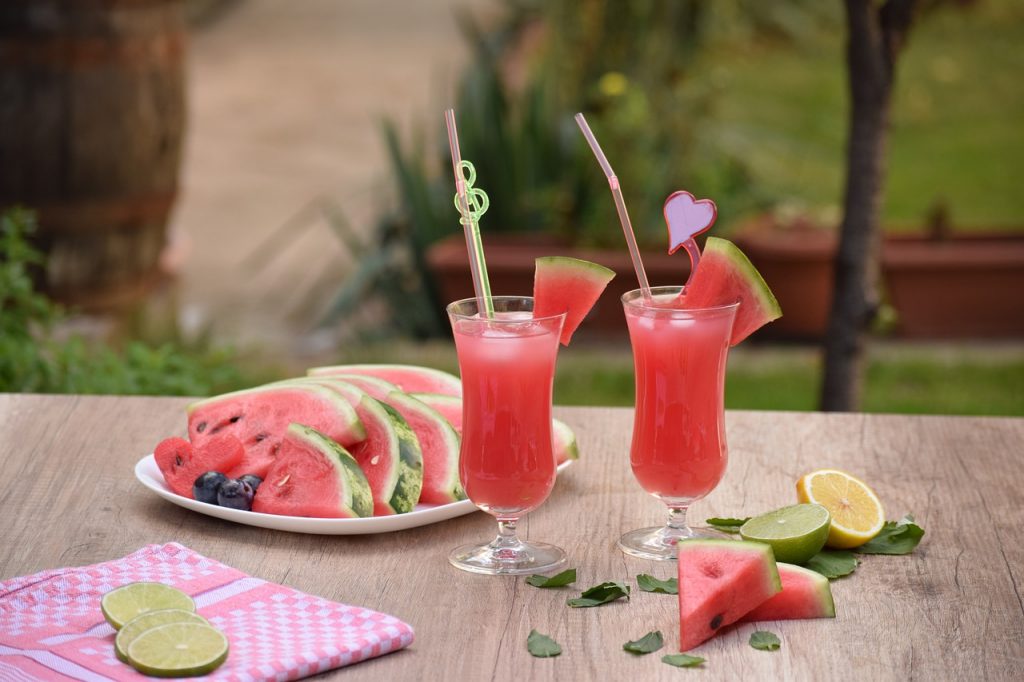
x: 812, y: 584
x: 758, y: 287
x: 399, y: 492
x: 354, y: 490
x: 562, y: 284
x: 408, y: 378
x: 376, y: 387
x: 441, y: 468
x: 566, y: 447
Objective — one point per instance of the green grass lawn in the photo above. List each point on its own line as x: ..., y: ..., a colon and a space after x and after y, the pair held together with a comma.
x: 957, y: 135
x: 911, y: 379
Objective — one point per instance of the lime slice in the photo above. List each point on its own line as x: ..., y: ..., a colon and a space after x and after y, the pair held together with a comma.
x: 795, y: 533
x: 147, y: 621
x: 121, y: 605
x: 178, y: 650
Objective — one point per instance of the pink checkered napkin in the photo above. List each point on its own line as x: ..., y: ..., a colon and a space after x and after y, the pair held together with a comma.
x: 51, y: 627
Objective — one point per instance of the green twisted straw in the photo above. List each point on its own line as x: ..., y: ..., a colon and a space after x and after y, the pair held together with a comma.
x: 476, y: 204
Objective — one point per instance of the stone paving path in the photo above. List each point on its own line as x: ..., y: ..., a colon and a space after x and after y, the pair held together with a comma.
x: 285, y: 104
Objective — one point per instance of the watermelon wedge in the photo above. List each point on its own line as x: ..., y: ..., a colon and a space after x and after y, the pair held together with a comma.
x: 450, y: 408
x: 720, y: 581
x: 260, y: 416
x: 313, y: 476
x: 390, y: 456
x: 181, y: 464
x: 408, y: 378
x: 805, y: 594
x: 439, y: 442
x: 725, y: 275
x: 567, y: 285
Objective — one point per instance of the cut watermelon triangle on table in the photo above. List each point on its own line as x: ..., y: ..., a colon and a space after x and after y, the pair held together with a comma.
x: 313, y: 476
x: 181, y: 463
x: 805, y: 594
x: 720, y: 581
x: 568, y: 285
x: 259, y: 417
x: 725, y: 275
x: 390, y: 454
x: 408, y: 378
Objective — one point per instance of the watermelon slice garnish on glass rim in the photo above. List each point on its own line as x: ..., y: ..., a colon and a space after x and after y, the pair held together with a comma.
x: 725, y: 275
x: 568, y: 285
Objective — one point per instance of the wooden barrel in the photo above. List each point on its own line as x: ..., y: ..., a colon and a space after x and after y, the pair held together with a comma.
x: 92, y: 115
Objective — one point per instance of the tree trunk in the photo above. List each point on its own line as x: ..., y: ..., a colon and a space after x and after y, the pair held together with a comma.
x: 876, y: 36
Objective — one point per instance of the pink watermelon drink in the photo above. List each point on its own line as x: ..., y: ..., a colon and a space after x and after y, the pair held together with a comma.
x: 678, y: 453
x: 506, y: 463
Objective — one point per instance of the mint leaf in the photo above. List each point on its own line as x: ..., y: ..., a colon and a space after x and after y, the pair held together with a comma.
x: 765, y: 641
x: 897, y: 537
x: 682, y: 660
x: 833, y: 564
x: 600, y: 594
x: 648, y: 583
x: 560, y: 580
x: 652, y: 641
x: 727, y: 525
x: 542, y: 646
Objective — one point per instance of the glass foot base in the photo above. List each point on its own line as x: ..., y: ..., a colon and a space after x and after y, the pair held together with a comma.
x: 525, y: 557
x: 659, y: 542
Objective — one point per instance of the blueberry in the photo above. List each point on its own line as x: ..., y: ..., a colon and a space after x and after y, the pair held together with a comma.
x: 252, y: 479
x: 235, y: 494
x: 206, y: 486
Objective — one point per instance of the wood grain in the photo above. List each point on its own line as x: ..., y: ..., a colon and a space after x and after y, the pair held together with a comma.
x: 952, y: 610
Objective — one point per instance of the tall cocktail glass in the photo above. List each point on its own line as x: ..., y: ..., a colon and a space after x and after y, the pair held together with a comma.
x: 507, y: 462
x: 678, y: 453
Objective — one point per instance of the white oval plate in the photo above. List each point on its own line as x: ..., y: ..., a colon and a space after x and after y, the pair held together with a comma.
x: 149, y: 475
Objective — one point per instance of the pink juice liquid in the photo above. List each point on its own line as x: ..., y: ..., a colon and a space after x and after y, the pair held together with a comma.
x: 507, y: 463
x: 678, y: 450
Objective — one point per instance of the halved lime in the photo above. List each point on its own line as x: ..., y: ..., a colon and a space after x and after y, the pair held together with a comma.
x: 121, y: 605
x: 178, y: 650
x: 150, y: 619
x: 796, y: 533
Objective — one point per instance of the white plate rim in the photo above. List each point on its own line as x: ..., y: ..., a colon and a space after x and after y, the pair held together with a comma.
x: 148, y: 473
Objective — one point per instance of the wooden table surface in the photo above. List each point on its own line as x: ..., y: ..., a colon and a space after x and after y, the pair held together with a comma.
x: 951, y: 610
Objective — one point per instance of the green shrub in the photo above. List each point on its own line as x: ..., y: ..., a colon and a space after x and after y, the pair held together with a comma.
x: 35, y: 358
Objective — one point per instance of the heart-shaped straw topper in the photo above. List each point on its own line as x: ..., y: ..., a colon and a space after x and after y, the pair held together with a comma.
x: 686, y: 218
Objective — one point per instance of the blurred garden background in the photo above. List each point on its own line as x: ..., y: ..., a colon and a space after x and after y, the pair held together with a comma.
x: 217, y: 193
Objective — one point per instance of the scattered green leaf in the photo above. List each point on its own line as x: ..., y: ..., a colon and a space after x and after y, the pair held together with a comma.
x: 833, y: 563
x: 648, y: 583
x: 560, y: 580
x: 542, y: 646
x: 897, y: 537
x: 600, y: 594
x: 727, y: 525
x: 682, y: 660
x: 652, y: 641
x: 765, y: 641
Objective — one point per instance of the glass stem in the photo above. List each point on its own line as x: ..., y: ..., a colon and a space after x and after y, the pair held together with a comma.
x: 677, y: 518
x: 507, y: 538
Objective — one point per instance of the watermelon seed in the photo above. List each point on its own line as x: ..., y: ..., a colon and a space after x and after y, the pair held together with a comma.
x: 235, y: 419
x: 283, y: 480
x: 376, y: 458
x: 716, y: 622
x: 201, y: 427
x: 178, y: 460
x: 262, y: 436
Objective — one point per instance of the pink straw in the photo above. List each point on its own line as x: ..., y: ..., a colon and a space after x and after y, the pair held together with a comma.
x: 620, y: 206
